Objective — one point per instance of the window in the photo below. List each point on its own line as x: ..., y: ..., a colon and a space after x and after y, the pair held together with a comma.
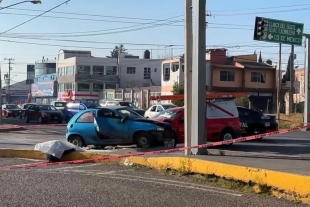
x: 166, y: 72
x: 97, y: 86
x: 183, y: 67
x: 83, y: 87
x: 107, y: 113
x: 147, y: 73
x: 175, y: 67
x: 60, y: 104
x: 98, y: 70
x: 131, y: 70
x: 155, y: 70
x: 83, y: 69
x: 169, y: 114
x: 111, y: 70
x: 69, y: 86
x: 227, y: 76
x: 110, y: 86
x: 47, y: 108
x: 51, y: 70
x: 61, y: 87
x: 70, y: 70
x: 82, y: 107
x: 73, y: 106
x: 257, y: 77
x: 153, y: 109
x: 86, y: 118
x: 129, y: 113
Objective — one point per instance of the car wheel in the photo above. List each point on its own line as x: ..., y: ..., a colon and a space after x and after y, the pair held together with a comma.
x: 256, y: 131
x: 144, y: 140
x: 227, y: 135
x: 41, y: 120
x: 77, y: 140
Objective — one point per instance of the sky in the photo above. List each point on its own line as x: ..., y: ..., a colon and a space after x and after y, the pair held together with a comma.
x: 100, y: 25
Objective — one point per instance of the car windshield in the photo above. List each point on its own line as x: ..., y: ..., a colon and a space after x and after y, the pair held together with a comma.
x: 128, y: 104
x: 168, y: 106
x: 129, y: 113
x: 11, y: 106
x: 47, y: 108
x: 60, y: 104
x: 90, y: 105
x: 169, y: 114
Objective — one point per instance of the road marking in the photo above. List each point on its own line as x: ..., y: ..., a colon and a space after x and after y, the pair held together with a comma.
x: 78, y: 166
x: 111, y: 174
x: 34, y: 160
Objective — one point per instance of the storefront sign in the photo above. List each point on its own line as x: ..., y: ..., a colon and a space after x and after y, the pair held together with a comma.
x: 44, y: 89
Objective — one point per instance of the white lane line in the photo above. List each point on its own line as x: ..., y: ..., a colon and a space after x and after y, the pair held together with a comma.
x: 111, y: 175
x: 72, y: 167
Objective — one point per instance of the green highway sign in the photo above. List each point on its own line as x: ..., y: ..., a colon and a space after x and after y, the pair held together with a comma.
x: 278, y: 31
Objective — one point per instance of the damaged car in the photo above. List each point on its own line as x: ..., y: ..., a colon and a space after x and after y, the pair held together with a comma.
x: 118, y: 125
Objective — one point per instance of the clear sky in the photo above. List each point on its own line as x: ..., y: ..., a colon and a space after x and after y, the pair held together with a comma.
x: 144, y: 24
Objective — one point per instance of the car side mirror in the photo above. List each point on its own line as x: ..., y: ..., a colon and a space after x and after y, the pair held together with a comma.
x: 124, y: 119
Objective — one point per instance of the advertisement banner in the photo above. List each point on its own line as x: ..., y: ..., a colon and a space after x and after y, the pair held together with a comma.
x: 44, y: 89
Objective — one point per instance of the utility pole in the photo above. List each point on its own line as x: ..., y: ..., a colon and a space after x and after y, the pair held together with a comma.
x: 198, y: 118
x: 279, y: 82
x: 188, y: 72
x: 307, y: 81
x: 1, y: 122
x: 9, y: 78
x: 292, y: 81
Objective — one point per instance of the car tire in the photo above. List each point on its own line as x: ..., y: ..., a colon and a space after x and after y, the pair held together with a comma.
x: 226, y: 135
x: 41, y: 120
x: 144, y: 140
x: 27, y: 119
x: 256, y: 131
x: 77, y: 140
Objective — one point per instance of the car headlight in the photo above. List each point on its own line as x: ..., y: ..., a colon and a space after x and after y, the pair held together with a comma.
x: 160, y: 128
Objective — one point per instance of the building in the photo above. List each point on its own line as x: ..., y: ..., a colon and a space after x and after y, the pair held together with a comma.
x: 44, y: 89
x: 30, y: 74
x: 84, y: 77
x: 229, y: 74
x: 18, y: 93
x: 42, y: 68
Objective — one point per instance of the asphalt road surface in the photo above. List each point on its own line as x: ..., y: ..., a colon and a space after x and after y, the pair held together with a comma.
x: 113, y: 185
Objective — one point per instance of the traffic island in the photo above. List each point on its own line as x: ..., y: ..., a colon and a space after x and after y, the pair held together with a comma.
x: 11, y: 128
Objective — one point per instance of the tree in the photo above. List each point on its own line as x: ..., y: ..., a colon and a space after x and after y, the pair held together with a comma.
x: 178, y: 89
x: 118, y: 50
x: 260, y: 59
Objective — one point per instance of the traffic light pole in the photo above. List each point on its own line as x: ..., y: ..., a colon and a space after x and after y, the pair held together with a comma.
x: 307, y: 82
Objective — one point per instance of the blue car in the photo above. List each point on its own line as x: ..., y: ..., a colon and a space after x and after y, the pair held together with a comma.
x: 118, y: 125
x: 73, y: 108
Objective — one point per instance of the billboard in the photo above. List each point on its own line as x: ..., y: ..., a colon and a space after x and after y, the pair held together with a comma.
x: 44, y: 89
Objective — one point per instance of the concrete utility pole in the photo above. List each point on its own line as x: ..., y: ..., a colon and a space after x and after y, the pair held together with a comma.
x: 279, y: 82
x: 198, y: 124
x: 188, y: 73
x: 307, y: 82
x: 9, y: 78
x: 292, y: 81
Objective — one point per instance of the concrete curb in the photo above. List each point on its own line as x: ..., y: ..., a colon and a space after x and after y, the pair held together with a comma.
x: 291, y: 186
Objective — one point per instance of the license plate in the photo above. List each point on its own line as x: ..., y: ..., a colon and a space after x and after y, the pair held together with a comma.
x: 267, y: 124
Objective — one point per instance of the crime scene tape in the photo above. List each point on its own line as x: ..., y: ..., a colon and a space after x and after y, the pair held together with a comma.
x: 105, y: 158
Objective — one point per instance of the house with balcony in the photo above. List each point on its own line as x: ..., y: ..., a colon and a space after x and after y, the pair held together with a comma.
x: 85, y: 77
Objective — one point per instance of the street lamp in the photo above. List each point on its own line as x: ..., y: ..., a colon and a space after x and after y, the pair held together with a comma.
x: 34, y: 2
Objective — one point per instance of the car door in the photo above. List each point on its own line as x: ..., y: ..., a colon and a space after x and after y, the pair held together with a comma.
x: 36, y: 113
x: 84, y: 125
x: 108, y: 123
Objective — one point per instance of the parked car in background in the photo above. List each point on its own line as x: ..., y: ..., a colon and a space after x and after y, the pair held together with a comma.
x: 24, y: 107
x: 72, y: 108
x: 60, y: 105
x: 115, y: 125
x: 43, y: 114
x: 156, y: 109
x: 253, y: 122
x: 222, y: 122
x: 123, y: 103
x: 10, y: 110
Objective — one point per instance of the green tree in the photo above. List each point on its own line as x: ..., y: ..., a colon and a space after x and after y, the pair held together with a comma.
x: 242, y: 101
x: 178, y: 89
x: 118, y: 50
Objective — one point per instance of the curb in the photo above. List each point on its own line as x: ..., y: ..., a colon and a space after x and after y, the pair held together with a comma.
x: 287, y: 185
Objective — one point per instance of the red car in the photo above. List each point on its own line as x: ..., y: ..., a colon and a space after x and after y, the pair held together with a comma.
x: 222, y: 121
x: 43, y: 113
x: 10, y: 110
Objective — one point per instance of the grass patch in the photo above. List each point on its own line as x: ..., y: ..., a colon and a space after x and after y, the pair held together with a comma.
x: 290, y: 121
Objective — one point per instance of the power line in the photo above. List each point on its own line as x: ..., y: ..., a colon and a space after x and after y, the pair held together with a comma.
x: 266, y: 12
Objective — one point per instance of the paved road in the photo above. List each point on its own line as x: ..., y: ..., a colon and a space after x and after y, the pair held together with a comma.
x: 113, y: 185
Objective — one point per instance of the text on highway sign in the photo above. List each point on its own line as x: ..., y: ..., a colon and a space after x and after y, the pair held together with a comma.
x: 278, y: 31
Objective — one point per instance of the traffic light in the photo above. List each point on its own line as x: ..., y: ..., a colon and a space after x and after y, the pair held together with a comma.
x: 260, y: 27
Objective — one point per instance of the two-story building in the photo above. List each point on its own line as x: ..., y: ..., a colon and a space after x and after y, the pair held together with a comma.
x: 84, y: 77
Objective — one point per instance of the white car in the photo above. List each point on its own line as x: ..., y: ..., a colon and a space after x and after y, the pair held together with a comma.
x: 155, y: 109
x: 59, y: 105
